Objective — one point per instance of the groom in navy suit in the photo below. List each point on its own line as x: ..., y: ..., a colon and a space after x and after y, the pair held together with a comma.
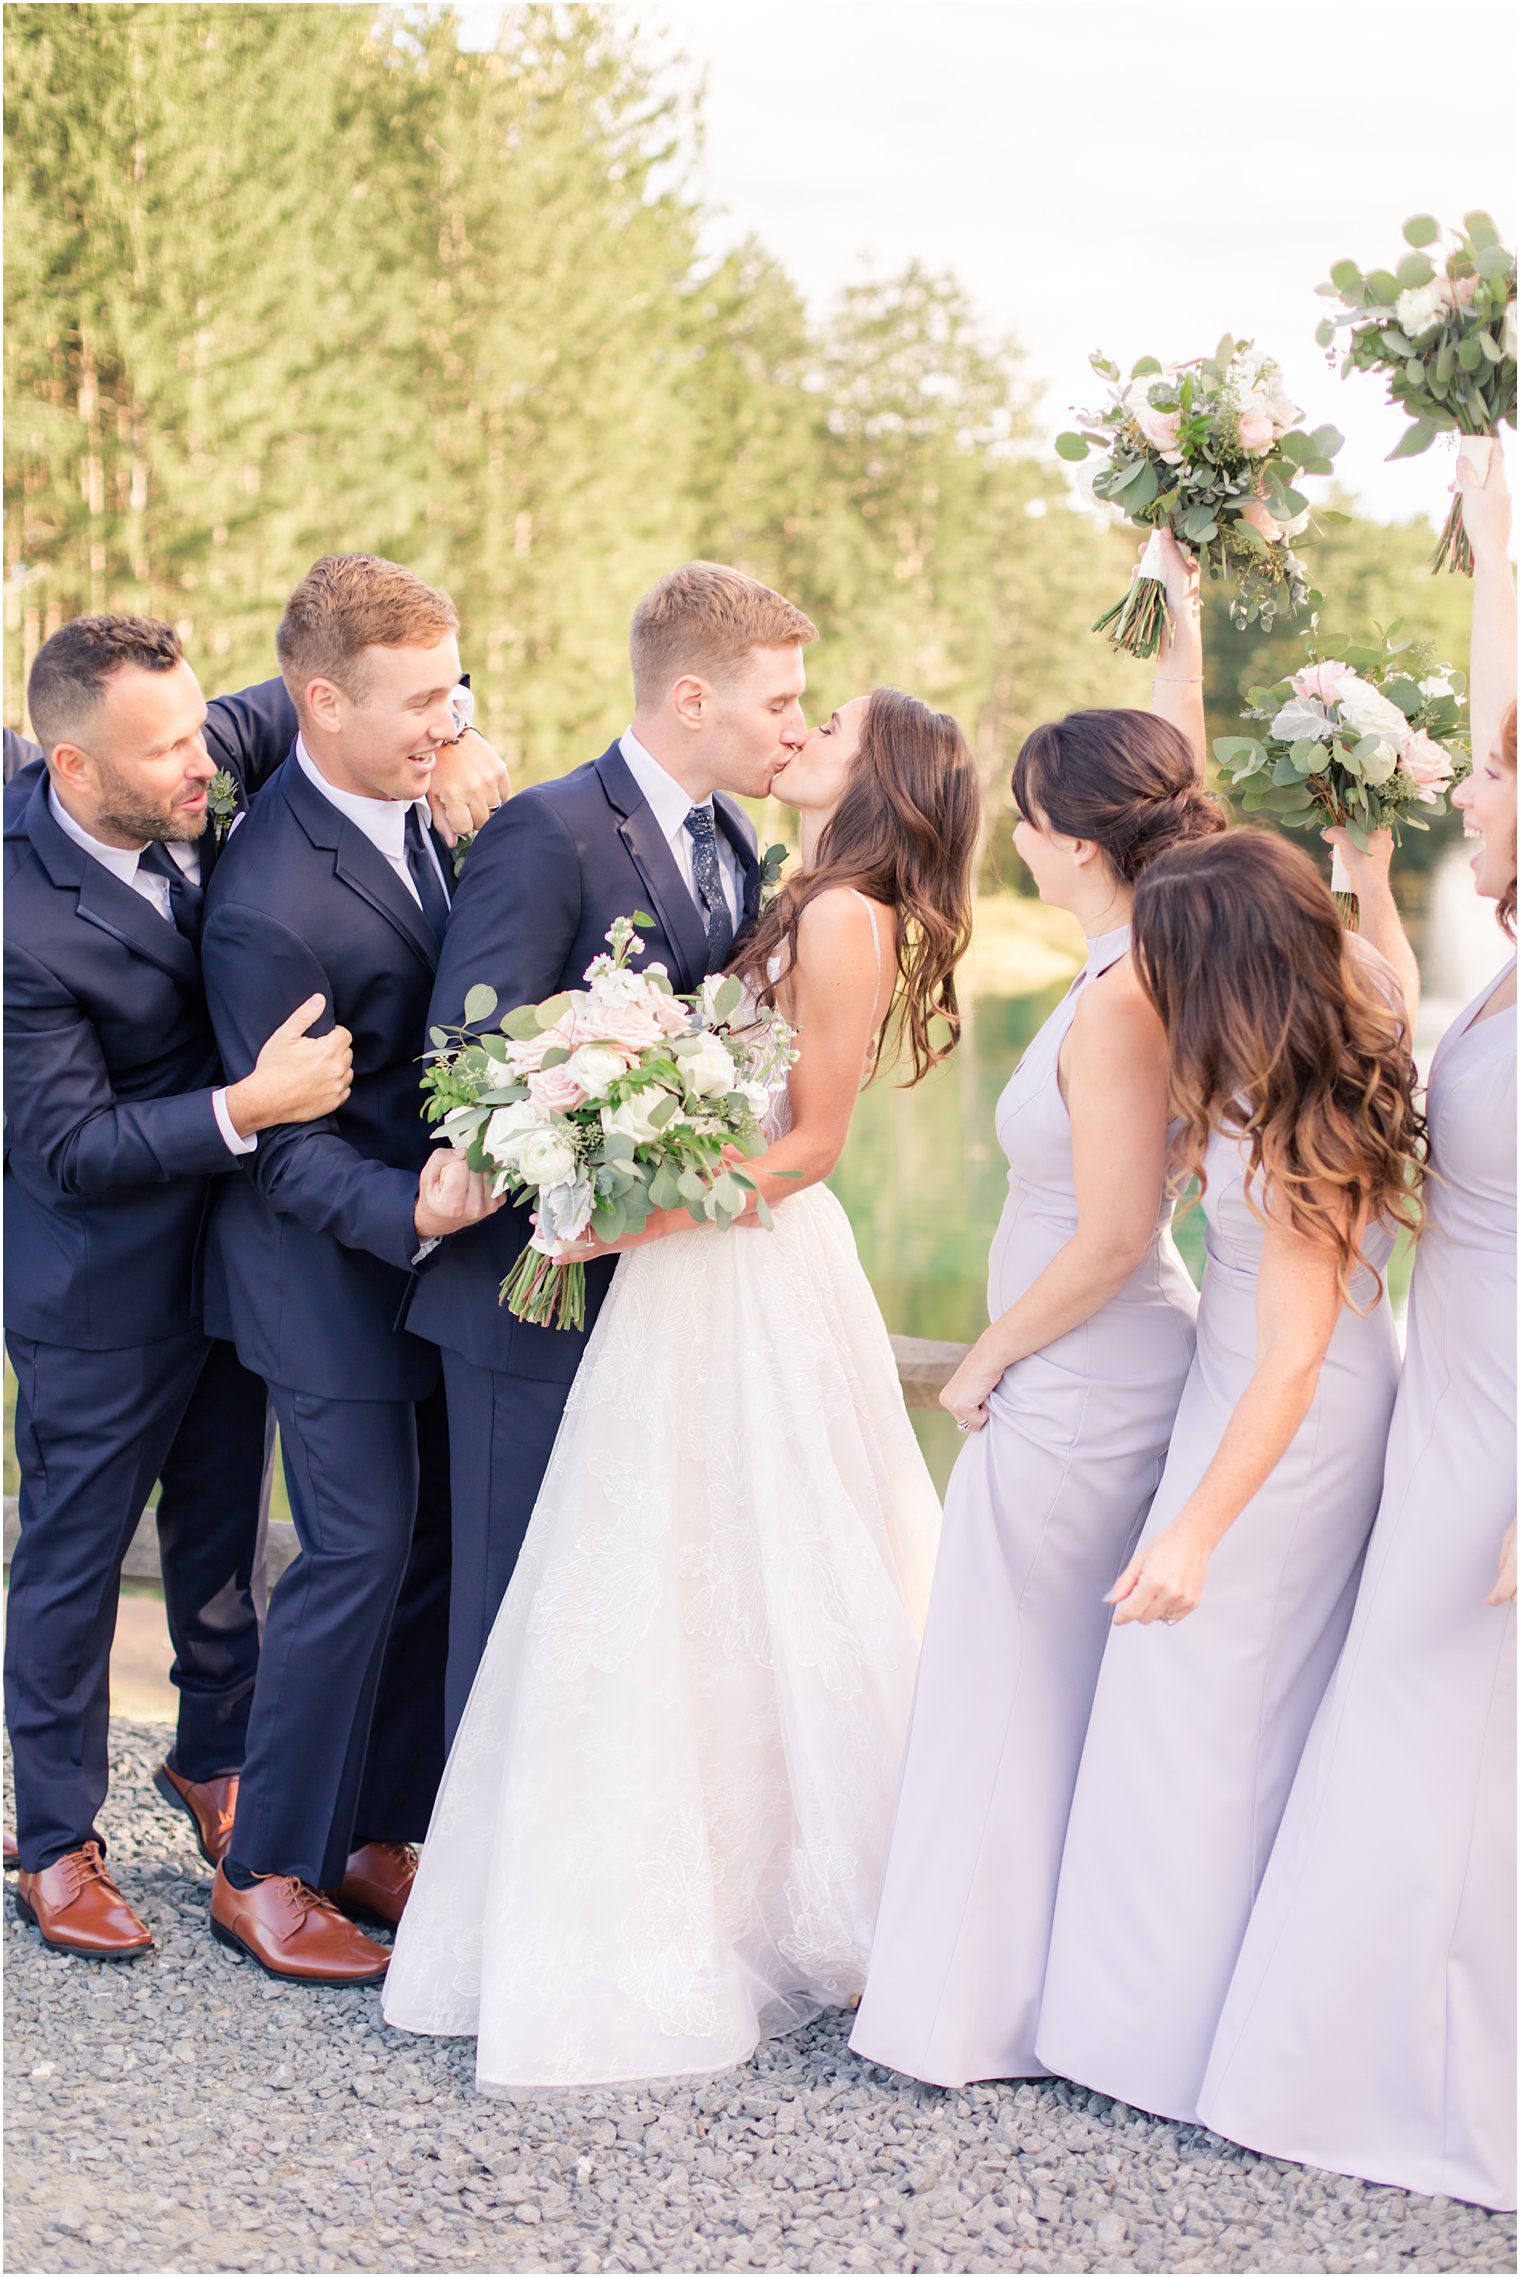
x: 652, y: 825
x: 336, y: 885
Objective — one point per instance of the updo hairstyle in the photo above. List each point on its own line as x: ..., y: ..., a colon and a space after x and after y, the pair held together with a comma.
x: 1125, y: 780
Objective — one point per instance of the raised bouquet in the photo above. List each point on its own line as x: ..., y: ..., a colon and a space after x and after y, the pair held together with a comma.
x: 1212, y: 451
x: 1365, y: 738
x: 605, y: 1103
x: 1441, y: 326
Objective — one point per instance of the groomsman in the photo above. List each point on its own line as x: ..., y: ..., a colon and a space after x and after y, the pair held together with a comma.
x: 119, y: 1125
x: 717, y: 686
x: 337, y: 886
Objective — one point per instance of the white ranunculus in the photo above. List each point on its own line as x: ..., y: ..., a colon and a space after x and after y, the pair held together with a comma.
x: 708, y: 1070
x: 1301, y: 717
x: 632, y: 1118
x: 545, y: 1158
x: 509, y: 1126
x: 1367, y: 710
x: 1378, y: 765
x: 1420, y: 309
x: 596, y: 1067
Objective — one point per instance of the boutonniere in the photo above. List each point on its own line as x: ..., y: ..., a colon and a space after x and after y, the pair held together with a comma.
x: 459, y: 849
x: 772, y: 863
x: 223, y: 802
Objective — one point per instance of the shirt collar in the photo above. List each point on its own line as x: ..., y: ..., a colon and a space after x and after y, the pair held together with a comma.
x: 121, y: 861
x: 383, y: 821
x: 663, y: 794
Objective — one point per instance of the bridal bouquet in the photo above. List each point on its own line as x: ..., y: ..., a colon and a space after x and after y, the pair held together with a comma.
x: 605, y: 1103
x: 1211, y: 451
x: 1442, y: 327
x: 1369, y: 738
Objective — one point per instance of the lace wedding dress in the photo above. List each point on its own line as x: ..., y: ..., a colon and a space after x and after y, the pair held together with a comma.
x: 661, y: 1831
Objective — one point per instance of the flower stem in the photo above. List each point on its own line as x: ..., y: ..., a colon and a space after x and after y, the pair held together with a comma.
x: 542, y: 1290
x: 1453, y: 551
x: 1138, y: 619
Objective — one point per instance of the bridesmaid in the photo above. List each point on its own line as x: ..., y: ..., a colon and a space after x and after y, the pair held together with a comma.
x: 1070, y: 1394
x: 1295, y: 1085
x: 1370, y: 2026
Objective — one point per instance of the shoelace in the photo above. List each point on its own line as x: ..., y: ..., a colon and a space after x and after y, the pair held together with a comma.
x: 400, y: 1854
x: 87, y: 1864
x: 301, y: 1895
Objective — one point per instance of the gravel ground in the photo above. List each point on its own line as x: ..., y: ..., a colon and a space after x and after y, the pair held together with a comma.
x: 185, y: 2112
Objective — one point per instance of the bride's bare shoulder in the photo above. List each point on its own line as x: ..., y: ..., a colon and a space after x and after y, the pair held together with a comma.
x: 839, y: 923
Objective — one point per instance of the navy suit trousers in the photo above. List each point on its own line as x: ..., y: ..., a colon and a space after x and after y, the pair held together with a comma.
x: 502, y: 1430
x: 93, y: 1432
x: 345, y: 1742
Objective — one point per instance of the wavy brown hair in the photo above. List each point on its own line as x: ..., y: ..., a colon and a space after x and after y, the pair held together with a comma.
x: 1279, y: 1034
x: 1126, y: 780
x: 1507, y: 754
x: 905, y: 833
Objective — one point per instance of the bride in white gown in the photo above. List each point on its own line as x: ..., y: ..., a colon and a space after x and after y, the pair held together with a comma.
x: 661, y: 1831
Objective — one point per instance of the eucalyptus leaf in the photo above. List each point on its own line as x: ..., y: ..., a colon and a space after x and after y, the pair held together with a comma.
x: 1414, y: 270
x: 479, y: 1003
x: 1421, y: 229
x: 1070, y: 446
x: 1413, y: 441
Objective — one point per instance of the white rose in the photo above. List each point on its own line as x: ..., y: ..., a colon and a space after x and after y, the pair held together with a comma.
x: 1285, y: 412
x: 1420, y: 308
x: 1370, y: 712
x: 1508, y: 338
x: 708, y: 1069
x: 596, y: 1067
x: 509, y: 1126
x: 757, y: 1098
x: 1302, y: 718
x: 544, y: 1158
x: 632, y: 1118
x: 1379, y: 764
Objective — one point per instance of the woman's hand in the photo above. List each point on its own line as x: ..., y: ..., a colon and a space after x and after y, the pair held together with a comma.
x: 1485, y: 506
x: 1503, y: 1591
x: 966, y: 1395
x: 1369, y: 871
x: 1165, y: 1577
x: 1180, y: 578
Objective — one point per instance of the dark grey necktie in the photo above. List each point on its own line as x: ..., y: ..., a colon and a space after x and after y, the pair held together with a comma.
x: 186, y: 901
x: 707, y: 875
x: 423, y: 870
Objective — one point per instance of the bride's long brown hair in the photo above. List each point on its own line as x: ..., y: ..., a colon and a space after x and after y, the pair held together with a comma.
x: 905, y: 833
x: 1279, y: 1034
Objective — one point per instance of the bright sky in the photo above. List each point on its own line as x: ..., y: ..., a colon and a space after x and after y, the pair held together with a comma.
x: 1135, y: 177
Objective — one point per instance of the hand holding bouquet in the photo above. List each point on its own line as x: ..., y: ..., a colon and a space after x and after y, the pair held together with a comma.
x: 1442, y: 327
x: 604, y: 1104
x: 1211, y: 451
x: 1365, y: 739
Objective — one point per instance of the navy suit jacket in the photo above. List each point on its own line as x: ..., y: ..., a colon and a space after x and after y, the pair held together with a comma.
x: 110, y: 1065
x: 310, y: 1250
x: 540, y: 885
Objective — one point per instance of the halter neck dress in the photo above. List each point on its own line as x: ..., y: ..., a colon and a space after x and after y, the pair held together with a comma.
x: 1043, y: 1508
x: 1370, y: 2026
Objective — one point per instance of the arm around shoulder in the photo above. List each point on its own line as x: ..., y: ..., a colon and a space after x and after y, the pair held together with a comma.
x: 516, y: 913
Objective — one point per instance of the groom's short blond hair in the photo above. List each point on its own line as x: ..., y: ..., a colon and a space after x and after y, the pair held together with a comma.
x: 707, y: 619
x: 346, y: 603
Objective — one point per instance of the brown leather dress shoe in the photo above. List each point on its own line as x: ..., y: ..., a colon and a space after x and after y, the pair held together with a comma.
x: 294, y: 1932
x: 209, y: 1805
x: 12, y: 1853
x: 76, y: 1907
x: 378, y: 1882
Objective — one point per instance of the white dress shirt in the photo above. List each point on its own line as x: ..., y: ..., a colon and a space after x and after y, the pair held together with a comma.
x: 670, y: 806
x: 124, y: 863
x: 383, y: 821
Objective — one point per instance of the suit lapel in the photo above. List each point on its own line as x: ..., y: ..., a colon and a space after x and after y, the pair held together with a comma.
x: 734, y: 824
x: 105, y: 901
x: 358, y: 861
x: 650, y: 852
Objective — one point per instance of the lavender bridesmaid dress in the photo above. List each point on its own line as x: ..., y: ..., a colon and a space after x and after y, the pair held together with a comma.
x: 1043, y: 1508
x: 1370, y: 2026
x: 1197, y: 1730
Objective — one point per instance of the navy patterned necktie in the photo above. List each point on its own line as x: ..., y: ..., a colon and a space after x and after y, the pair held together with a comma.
x: 423, y: 870
x: 186, y: 901
x: 707, y: 876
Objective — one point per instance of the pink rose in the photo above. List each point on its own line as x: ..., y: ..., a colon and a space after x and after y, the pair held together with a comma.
x: 555, y: 1090
x: 1256, y: 436
x: 1256, y: 514
x: 674, y: 1018
x: 526, y: 1058
x: 632, y: 1027
x: 1456, y: 292
x: 1426, y: 765
x: 1322, y: 681
x: 1160, y: 429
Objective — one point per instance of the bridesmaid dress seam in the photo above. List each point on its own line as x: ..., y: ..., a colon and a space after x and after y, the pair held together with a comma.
x: 1467, y: 1858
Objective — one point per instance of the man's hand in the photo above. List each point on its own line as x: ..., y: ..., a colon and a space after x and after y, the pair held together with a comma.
x: 296, y: 1078
x: 469, y: 784
x: 451, y: 1195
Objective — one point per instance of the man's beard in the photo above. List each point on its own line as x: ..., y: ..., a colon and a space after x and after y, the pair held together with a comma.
x: 122, y: 811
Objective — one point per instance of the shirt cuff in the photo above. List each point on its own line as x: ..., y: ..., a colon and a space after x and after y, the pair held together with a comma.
x: 236, y: 1143
x: 427, y: 1248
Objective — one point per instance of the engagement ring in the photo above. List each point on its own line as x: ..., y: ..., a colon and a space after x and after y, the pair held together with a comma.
x: 1170, y: 1620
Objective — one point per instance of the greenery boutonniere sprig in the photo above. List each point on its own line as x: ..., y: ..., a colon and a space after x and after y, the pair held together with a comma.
x: 772, y: 862
x: 223, y: 800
